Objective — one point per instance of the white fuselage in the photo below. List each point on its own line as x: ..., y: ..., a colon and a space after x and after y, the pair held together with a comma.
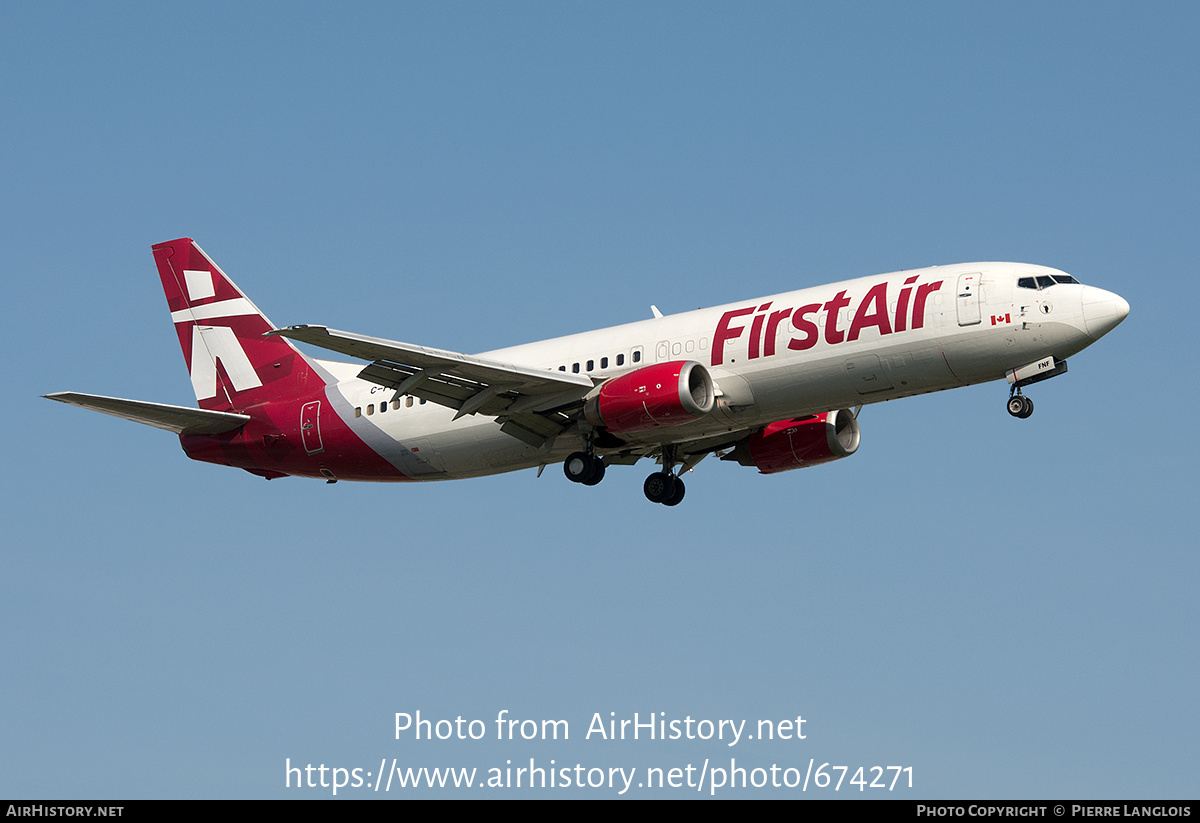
x: 802, y: 352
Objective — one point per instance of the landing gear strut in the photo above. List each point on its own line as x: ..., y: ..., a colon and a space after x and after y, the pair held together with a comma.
x: 1019, y: 405
x: 664, y: 486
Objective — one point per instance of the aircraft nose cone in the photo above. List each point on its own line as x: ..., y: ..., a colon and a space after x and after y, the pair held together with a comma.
x: 1102, y: 311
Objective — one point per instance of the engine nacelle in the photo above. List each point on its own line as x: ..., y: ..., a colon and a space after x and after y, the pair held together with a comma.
x: 653, y: 397
x: 796, y: 443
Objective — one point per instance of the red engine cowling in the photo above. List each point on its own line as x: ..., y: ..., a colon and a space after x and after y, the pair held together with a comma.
x: 653, y: 397
x: 799, y: 442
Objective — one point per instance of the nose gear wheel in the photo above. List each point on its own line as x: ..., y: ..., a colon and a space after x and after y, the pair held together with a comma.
x: 1019, y: 405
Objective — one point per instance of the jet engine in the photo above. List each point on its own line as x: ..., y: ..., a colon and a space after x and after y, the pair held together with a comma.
x: 653, y: 397
x: 799, y: 442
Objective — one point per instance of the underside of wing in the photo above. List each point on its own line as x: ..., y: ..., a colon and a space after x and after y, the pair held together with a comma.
x: 178, y: 419
x: 532, y: 404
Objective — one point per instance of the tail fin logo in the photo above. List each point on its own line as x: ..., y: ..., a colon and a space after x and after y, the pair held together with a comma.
x: 199, y: 285
x: 213, y: 343
x: 232, y: 365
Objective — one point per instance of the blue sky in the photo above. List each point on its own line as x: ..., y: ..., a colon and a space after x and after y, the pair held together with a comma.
x: 1006, y: 606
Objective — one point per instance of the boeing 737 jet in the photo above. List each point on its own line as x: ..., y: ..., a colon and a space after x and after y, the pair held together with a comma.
x: 775, y: 383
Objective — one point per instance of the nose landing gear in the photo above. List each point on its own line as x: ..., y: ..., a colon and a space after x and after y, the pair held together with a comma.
x: 1019, y: 405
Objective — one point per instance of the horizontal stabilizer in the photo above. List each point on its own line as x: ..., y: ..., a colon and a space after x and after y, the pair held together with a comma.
x: 178, y: 419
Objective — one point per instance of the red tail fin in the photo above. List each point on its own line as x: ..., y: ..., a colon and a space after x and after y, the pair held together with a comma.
x: 232, y: 365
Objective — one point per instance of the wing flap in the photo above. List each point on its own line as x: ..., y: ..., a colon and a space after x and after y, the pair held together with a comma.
x: 178, y: 419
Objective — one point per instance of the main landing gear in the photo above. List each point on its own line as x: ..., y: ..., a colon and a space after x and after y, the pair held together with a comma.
x: 665, y: 486
x: 661, y: 487
x: 1019, y: 405
x: 584, y: 467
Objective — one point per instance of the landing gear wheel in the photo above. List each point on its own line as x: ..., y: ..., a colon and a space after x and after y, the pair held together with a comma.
x: 1020, y: 406
x: 659, y: 487
x: 580, y: 467
x: 676, y: 496
x: 597, y: 472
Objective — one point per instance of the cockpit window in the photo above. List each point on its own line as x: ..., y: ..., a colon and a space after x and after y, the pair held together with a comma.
x: 1044, y: 281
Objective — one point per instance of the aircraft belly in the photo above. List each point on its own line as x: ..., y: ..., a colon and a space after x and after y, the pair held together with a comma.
x: 920, y: 370
x: 481, y: 449
x: 866, y: 374
x: 985, y: 353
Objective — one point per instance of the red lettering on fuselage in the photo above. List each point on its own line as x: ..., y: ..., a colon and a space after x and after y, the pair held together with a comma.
x: 756, y: 331
x: 724, y: 333
x: 902, y: 305
x: 923, y: 291
x: 811, y: 332
x: 777, y: 317
x: 871, y: 311
x: 832, y: 333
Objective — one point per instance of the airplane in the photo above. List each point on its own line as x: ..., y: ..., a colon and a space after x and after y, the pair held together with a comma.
x: 775, y: 383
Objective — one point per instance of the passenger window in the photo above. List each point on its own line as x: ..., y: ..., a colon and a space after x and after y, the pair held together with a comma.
x: 370, y: 409
x: 604, y: 362
x: 575, y: 368
x: 383, y: 407
x: 408, y: 402
x: 591, y: 365
x: 620, y: 360
x: 358, y: 411
x: 562, y: 368
x: 637, y: 355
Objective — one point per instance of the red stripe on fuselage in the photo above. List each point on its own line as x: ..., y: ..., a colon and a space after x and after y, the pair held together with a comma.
x: 273, y: 443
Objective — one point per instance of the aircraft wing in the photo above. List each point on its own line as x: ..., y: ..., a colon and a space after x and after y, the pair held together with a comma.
x: 529, y: 400
x: 178, y: 419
